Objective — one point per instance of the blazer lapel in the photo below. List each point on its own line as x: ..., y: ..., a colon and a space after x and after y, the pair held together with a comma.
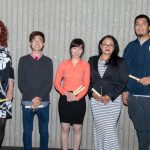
x: 107, y: 71
x: 95, y: 66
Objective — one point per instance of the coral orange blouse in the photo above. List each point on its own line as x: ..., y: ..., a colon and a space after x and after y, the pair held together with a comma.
x: 69, y: 77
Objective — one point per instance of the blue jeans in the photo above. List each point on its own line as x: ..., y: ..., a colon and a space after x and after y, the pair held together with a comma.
x: 43, y: 120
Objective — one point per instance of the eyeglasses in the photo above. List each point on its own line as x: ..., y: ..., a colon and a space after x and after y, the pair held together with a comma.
x: 106, y: 45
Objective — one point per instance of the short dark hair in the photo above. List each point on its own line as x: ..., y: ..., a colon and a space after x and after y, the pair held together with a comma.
x: 77, y: 43
x: 114, y: 55
x: 142, y: 16
x: 36, y: 33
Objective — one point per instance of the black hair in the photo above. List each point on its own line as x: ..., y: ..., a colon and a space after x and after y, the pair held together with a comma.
x: 142, y: 16
x: 36, y: 33
x: 77, y: 43
x: 113, y: 58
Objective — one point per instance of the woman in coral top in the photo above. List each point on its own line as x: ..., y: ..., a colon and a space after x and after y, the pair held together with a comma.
x: 70, y: 75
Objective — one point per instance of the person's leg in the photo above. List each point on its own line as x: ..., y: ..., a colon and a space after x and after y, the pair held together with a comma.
x: 65, y: 127
x: 143, y: 140
x: 147, y: 117
x: 137, y: 112
x: 43, y: 118
x: 2, y: 129
x: 77, y: 128
x: 28, y: 116
x: 77, y: 121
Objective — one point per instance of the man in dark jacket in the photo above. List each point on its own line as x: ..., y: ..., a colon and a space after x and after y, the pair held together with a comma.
x: 137, y: 96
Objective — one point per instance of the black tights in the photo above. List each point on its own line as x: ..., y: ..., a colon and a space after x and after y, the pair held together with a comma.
x: 2, y: 130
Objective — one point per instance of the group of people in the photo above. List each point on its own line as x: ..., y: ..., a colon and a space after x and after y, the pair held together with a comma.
x: 105, y: 77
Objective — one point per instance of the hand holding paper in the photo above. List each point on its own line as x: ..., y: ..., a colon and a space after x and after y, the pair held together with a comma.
x: 3, y: 100
x: 96, y: 95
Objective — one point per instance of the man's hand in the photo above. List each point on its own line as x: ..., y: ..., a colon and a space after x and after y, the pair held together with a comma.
x: 125, y: 98
x: 36, y: 101
x: 145, y: 80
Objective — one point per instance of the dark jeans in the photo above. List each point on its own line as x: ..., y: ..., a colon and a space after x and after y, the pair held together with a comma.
x: 139, y: 112
x: 43, y: 120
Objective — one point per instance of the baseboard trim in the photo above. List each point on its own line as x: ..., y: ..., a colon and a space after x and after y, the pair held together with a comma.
x: 21, y: 148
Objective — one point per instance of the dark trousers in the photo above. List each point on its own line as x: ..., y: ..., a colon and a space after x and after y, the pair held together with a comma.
x: 139, y: 112
x: 43, y: 120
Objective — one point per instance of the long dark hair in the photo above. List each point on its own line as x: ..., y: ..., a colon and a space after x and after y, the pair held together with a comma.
x: 114, y: 56
x: 77, y: 43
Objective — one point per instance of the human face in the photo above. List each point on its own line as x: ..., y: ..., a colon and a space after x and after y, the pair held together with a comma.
x: 37, y: 43
x: 141, y: 27
x: 107, y: 46
x: 76, y: 52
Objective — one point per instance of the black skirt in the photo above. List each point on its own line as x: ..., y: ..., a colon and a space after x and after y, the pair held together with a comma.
x: 71, y: 112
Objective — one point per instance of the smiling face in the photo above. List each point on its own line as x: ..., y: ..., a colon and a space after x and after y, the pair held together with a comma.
x: 37, y: 43
x: 107, y: 46
x: 141, y: 27
x: 76, y: 52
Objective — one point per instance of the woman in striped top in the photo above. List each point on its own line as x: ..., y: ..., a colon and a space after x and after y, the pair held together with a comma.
x: 108, y: 77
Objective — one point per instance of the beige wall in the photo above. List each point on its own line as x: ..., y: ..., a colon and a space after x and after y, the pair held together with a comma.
x: 61, y: 21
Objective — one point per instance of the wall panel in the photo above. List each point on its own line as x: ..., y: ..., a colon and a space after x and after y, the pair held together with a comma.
x: 61, y: 21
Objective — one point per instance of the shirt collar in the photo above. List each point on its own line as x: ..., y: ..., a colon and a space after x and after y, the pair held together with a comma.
x: 79, y: 60
x: 137, y: 40
x: 37, y: 56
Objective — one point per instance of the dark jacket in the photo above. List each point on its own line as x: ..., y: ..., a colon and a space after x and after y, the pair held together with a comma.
x: 114, y: 79
x: 137, y: 57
